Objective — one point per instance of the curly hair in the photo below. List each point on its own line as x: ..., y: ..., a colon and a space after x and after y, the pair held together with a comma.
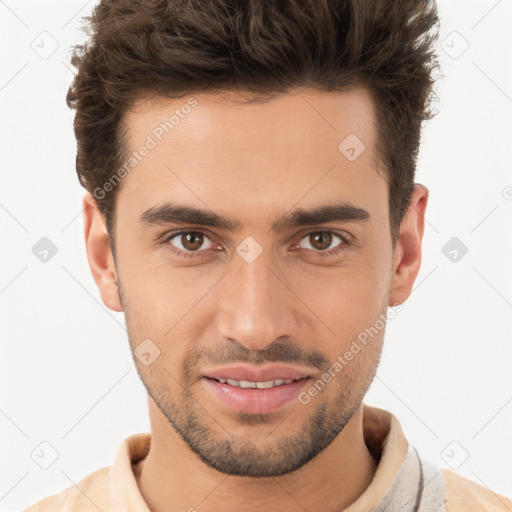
x: 172, y: 48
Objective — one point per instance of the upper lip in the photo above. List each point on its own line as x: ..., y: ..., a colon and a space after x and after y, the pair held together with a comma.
x: 257, y: 373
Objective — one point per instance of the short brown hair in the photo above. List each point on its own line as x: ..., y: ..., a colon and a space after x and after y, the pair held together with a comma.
x: 264, y: 47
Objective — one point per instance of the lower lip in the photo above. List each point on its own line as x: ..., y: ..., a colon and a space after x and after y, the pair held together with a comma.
x: 255, y: 401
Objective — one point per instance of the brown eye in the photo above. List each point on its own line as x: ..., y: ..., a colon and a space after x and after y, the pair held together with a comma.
x: 322, y: 242
x: 189, y: 242
x: 192, y: 241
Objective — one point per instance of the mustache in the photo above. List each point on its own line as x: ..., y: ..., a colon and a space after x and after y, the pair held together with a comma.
x: 282, y: 352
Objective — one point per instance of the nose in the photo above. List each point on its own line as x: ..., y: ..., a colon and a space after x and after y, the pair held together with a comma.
x: 254, y: 305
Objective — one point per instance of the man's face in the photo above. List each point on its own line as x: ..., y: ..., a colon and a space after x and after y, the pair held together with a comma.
x: 255, y: 297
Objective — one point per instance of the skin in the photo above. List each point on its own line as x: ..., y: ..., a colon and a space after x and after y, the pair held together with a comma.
x: 255, y: 163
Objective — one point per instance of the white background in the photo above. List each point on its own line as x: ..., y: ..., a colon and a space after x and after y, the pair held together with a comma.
x: 67, y: 376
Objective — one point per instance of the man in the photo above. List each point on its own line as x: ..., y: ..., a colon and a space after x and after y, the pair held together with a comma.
x: 252, y: 210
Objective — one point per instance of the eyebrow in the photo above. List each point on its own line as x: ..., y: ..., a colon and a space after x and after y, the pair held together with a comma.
x: 176, y: 213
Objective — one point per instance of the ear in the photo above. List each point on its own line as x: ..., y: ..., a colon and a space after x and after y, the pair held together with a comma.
x: 99, y: 254
x: 407, y: 254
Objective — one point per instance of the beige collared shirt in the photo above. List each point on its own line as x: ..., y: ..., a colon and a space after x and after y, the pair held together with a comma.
x: 403, y: 481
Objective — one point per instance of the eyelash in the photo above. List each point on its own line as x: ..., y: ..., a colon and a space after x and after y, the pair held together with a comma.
x: 181, y: 254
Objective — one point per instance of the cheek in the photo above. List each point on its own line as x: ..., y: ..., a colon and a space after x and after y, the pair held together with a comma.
x: 167, y: 306
x: 156, y: 293
x: 349, y: 298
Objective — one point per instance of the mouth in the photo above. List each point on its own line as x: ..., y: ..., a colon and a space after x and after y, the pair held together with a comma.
x: 249, y: 384
x: 264, y: 393
x: 259, y: 377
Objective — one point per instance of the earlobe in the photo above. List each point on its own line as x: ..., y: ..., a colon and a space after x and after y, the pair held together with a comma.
x: 99, y: 254
x: 407, y: 254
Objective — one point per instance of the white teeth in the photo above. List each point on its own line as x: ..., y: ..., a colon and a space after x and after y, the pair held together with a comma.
x: 265, y: 385
x: 247, y: 384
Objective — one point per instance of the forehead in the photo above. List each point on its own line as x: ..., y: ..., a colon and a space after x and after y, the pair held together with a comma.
x: 213, y: 149
x: 225, y: 121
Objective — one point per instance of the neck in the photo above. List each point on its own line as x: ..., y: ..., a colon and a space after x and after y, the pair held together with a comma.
x: 172, y: 475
